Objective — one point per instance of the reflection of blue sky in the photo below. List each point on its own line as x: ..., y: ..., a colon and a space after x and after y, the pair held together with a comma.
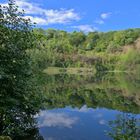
x: 50, y: 138
x: 96, y: 115
x: 75, y: 124
x: 54, y: 119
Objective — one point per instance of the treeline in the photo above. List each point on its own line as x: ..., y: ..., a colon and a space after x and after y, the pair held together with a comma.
x: 22, y: 48
x: 101, y: 50
x: 98, y: 41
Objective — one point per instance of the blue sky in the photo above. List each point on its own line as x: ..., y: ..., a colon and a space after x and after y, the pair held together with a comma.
x: 85, y: 15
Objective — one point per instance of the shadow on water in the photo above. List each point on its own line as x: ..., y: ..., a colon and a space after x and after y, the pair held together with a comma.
x: 70, y: 107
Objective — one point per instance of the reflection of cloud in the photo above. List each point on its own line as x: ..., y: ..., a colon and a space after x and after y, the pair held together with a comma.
x: 50, y: 138
x: 99, y: 115
x: 85, y: 109
x: 52, y: 119
x: 102, y: 122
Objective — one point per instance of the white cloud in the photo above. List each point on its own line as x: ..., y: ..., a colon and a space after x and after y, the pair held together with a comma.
x: 44, y: 16
x: 62, y: 16
x: 30, y: 8
x: 52, y: 119
x: 99, y: 21
x: 85, y: 28
x: 105, y: 15
x: 37, y: 20
x: 102, y: 122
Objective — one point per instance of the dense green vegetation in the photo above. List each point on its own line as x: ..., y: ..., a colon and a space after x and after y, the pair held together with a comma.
x: 15, y: 38
x: 117, y: 92
x: 17, y: 86
x: 115, y: 50
x: 25, y: 52
x: 125, y: 127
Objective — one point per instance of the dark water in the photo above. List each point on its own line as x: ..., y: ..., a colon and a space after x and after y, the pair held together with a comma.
x: 70, y: 107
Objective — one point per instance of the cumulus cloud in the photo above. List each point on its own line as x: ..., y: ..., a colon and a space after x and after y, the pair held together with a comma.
x: 99, y: 21
x: 37, y: 20
x: 85, y: 28
x: 44, y: 16
x: 102, y: 18
x: 105, y: 15
x: 53, y: 119
x: 62, y: 16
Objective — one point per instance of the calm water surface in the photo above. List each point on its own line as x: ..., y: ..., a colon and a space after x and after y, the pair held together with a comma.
x: 81, y: 108
x: 72, y: 124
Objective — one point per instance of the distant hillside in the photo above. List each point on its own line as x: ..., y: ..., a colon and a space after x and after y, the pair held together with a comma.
x: 109, y: 51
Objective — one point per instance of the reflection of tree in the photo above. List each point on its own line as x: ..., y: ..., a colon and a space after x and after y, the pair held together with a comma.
x: 65, y: 90
x: 125, y: 127
x: 18, y: 105
x: 34, y: 135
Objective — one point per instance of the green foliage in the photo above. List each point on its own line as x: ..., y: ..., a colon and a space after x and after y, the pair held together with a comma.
x: 24, y: 51
x: 105, y: 51
x: 77, y: 39
x: 125, y: 127
x: 131, y: 60
x: 5, y: 138
x: 17, y: 86
x: 15, y: 38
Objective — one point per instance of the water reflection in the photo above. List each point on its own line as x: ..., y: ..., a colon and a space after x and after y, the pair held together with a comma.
x: 19, y: 102
x: 56, y: 119
x: 118, y: 92
x: 94, y: 123
x: 69, y: 107
x: 125, y: 126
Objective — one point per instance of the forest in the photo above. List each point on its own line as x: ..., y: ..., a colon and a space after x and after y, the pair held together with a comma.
x: 32, y: 59
x: 41, y: 49
x: 102, y: 51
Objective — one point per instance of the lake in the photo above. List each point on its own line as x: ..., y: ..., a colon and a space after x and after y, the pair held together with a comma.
x: 73, y: 107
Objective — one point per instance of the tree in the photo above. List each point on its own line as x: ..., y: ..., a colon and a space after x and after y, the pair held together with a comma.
x: 77, y: 39
x: 19, y: 100
x: 16, y: 38
x: 91, y: 40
